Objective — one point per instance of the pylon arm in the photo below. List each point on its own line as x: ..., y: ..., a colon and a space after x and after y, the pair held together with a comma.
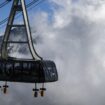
x: 4, y: 52
x: 30, y: 42
x: 18, y: 6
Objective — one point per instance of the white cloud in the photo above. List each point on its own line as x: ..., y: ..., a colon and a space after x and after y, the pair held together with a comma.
x: 91, y: 9
x: 75, y: 40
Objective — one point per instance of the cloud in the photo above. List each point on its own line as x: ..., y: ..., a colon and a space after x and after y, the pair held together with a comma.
x: 91, y: 9
x: 75, y: 41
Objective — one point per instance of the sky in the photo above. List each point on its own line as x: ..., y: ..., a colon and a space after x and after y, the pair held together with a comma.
x: 72, y: 34
x: 6, y: 10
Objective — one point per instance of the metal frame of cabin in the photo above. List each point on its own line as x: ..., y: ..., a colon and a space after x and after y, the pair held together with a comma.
x: 18, y: 5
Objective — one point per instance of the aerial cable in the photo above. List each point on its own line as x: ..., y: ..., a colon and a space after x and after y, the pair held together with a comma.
x: 33, y: 2
x: 29, y: 8
x: 28, y: 5
x: 4, y: 3
x: 3, y: 21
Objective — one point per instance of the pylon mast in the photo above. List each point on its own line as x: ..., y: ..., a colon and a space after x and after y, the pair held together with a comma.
x: 18, y: 5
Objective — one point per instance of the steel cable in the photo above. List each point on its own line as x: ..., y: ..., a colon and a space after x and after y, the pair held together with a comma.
x: 28, y: 5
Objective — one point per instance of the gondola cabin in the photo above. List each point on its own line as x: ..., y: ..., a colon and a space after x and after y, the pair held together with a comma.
x: 29, y: 71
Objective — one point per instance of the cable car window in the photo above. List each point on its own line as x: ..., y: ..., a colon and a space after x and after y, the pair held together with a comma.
x: 9, y: 69
x: 25, y: 70
x: 25, y: 65
x: 1, y: 70
x: 17, y: 68
x: 16, y: 65
x: 9, y: 66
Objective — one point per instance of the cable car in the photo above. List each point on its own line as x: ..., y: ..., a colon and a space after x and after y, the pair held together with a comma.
x: 35, y: 70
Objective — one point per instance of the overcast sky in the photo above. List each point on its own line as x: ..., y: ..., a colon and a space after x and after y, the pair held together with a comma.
x: 72, y: 34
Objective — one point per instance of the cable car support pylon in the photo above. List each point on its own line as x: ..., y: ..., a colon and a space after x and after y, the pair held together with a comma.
x: 18, y: 5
